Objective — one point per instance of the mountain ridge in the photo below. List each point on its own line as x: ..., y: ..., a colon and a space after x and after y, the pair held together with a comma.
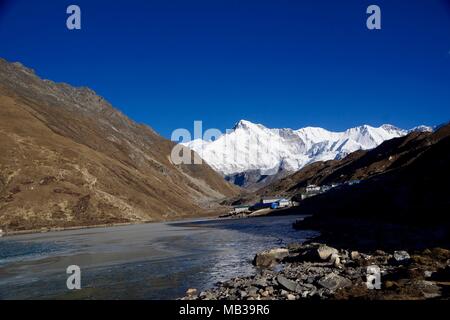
x: 69, y: 158
x: 283, y: 151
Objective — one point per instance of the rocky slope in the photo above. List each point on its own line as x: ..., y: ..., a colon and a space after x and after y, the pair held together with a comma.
x: 252, y: 155
x: 68, y: 158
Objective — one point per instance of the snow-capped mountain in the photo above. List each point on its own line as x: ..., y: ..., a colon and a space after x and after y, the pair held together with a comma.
x: 250, y: 146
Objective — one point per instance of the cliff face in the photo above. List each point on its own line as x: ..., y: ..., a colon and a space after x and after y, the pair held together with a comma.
x: 68, y: 158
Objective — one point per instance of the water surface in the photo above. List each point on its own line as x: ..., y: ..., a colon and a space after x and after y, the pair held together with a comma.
x: 149, y: 261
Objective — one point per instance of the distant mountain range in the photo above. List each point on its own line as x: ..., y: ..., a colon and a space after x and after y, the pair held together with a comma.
x: 68, y: 158
x: 252, y: 155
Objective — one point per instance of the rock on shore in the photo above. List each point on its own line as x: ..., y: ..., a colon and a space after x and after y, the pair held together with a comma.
x: 317, y: 271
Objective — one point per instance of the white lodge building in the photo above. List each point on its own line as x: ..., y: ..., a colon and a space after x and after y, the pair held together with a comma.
x: 312, y: 188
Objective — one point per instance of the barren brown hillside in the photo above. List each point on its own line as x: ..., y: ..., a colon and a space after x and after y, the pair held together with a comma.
x: 68, y: 158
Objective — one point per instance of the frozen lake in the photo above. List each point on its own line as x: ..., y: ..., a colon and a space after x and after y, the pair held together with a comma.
x: 148, y: 261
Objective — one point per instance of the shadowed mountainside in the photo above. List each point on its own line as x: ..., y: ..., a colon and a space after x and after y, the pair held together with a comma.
x: 401, y: 201
x: 360, y: 165
x: 68, y: 158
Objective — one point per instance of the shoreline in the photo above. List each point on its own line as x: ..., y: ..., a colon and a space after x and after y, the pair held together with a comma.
x: 99, y: 226
x: 60, y: 229
x: 280, y: 212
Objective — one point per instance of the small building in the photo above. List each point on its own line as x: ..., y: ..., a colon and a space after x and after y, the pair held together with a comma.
x: 240, y: 209
x: 284, y: 203
x: 312, y: 188
x: 270, y: 200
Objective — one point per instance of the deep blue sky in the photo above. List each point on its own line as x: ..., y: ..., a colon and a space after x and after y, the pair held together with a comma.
x: 282, y: 63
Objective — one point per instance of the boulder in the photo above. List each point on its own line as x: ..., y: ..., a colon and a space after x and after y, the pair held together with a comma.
x: 269, y: 258
x: 291, y: 297
x: 287, y: 284
x: 261, y: 283
x: 252, y: 292
x: 325, y: 252
x: 191, y: 292
x: 308, y: 286
x: 333, y: 282
x: 401, y: 256
x: 336, y: 260
x: 354, y: 255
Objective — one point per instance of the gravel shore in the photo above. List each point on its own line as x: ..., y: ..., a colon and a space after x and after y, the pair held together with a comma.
x: 317, y: 271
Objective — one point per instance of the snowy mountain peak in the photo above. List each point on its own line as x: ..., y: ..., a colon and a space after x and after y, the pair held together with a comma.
x: 390, y: 127
x: 251, y: 146
x: 422, y: 129
x: 247, y: 125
